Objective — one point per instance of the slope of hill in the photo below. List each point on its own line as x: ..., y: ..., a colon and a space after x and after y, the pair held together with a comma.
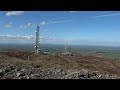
x: 19, y: 64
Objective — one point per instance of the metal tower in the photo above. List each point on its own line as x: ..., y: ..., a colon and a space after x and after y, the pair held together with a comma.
x: 37, y: 40
x: 65, y: 48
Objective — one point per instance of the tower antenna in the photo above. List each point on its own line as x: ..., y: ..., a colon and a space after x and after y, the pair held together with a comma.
x: 37, y: 40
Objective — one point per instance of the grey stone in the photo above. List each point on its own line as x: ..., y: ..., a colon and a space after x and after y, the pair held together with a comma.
x: 18, y: 74
x: 0, y: 71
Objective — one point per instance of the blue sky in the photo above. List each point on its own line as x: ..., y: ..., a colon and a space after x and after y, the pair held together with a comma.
x: 60, y: 27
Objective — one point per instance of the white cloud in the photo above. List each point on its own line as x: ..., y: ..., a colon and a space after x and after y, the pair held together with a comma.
x: 27, y: 25
x: 107, y: 15
x: 22, y: 37
x: 16, y: 37
x: 42, y: 23
x: 14, y: 13
x: 53, y: 22
x: 59, y: 21
x: 31, y: 39
x: 23, y: 26
x: 8, y: 25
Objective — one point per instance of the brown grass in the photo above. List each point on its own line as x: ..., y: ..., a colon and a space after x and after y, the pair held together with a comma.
x: 63, y: 62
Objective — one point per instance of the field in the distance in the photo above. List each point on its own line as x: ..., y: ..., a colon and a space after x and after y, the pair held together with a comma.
x: 99, y: 51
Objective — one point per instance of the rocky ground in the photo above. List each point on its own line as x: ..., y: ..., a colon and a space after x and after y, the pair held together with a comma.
x: 24, y: 65
x: 10, y: 71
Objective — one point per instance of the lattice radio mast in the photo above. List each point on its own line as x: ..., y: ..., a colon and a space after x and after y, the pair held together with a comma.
x: 37, y: 40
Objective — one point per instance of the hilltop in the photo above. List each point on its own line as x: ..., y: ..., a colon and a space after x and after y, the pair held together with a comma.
x: 16, y: 64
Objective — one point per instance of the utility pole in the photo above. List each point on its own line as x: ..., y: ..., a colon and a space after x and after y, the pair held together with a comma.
x: 37, y: 40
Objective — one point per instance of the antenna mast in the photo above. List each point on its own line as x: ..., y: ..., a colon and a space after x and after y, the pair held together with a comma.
x: 65, y: 48
x: 37, y: 40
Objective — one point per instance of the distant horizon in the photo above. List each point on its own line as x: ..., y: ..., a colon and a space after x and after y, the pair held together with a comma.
x: 57, y: 44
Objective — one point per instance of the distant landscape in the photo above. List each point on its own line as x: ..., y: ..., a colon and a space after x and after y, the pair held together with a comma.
x: 92, y: 50
x: 19, y: 61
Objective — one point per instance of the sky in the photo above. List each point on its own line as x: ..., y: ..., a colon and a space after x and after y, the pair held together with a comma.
x: 61, y: 27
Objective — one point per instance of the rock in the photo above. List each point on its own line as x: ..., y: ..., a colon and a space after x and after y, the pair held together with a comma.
x: 28, y: 77
x: 14, y: 71
x: 31, y: 75
x: 12, y: 67
x: 0, y: 71
x: 18, y: 74
x: 8, y: 69
x: 23, y: 69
